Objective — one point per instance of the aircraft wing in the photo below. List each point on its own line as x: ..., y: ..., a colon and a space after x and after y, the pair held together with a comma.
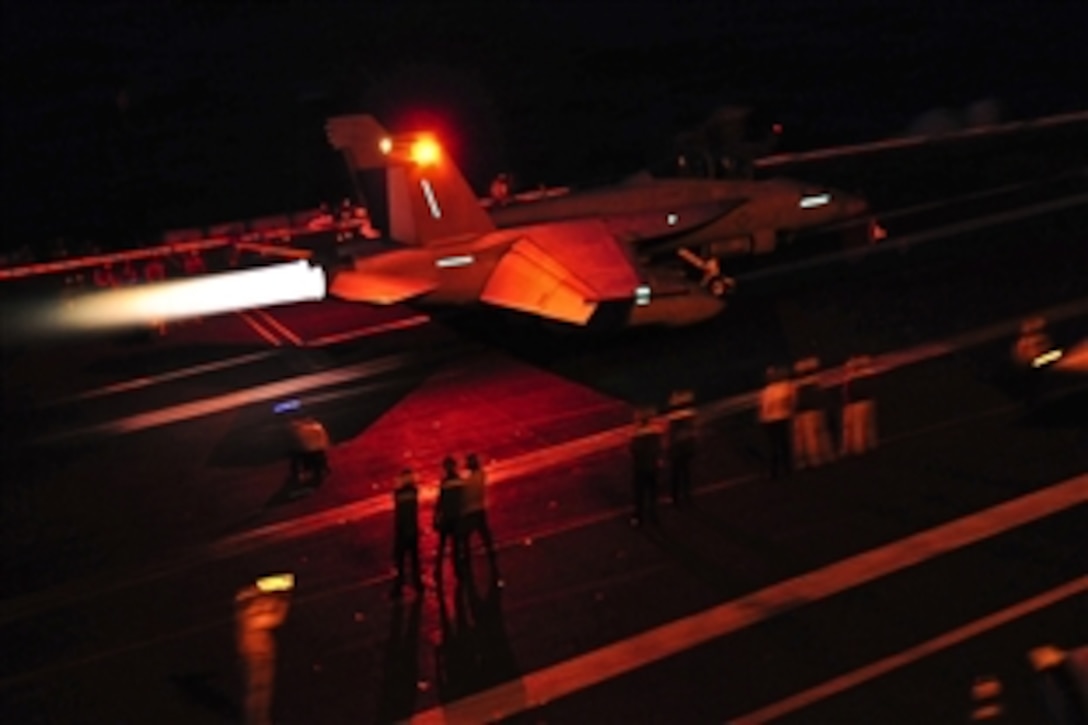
x: 562, y: 272
x: 377, y: 288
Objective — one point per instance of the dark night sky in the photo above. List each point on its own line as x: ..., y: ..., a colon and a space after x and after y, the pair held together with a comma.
x: 122, y: 118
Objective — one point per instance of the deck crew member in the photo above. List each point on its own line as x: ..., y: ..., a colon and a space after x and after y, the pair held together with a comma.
x: 776, y: 405
x: 447, y: 518
x: 681, y: 444
x: 406, y: 530
x: 811, y: 441
x: 859, y: 430
x: 474, y: 519
x: 645, y: 462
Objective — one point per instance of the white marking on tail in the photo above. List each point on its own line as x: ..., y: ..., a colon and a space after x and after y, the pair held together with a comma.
x: 432, y: 201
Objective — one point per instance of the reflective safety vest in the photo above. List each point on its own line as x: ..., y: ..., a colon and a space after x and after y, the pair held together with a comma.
x: 472, y: 499
x: 776, y: 402
x: 310, y: 435
x: 256, y: 614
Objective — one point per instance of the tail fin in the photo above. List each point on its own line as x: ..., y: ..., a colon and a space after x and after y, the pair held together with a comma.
x: 429, y: 200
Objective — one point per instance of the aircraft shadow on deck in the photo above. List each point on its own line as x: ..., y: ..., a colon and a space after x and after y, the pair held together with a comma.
x: 641, y: 365
x: 261, y: 436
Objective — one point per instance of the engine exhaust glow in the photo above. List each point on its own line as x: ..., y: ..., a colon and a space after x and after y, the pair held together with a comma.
x: 213, y: 294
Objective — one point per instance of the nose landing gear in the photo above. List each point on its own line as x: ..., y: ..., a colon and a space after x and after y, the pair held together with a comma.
x: 717, y: 283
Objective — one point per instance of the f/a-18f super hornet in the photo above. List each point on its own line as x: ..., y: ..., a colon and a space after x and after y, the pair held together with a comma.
x: 442, y: 247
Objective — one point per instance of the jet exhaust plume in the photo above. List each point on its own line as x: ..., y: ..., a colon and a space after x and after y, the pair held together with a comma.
x: 147, y: 305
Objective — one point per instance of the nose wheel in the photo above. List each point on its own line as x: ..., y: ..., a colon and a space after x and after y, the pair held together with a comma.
x: 720, y: 285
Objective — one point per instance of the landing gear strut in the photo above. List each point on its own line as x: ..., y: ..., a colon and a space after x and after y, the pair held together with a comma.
x: 717, y: 283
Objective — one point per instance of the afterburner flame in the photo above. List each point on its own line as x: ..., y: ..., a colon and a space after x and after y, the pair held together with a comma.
x: 151, y: 304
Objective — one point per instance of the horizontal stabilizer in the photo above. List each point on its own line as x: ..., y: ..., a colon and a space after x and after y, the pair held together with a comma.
x: 378, y: 288
x: 386, y: 278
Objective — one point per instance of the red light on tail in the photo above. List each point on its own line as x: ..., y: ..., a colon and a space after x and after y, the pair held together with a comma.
x: 425, y: 151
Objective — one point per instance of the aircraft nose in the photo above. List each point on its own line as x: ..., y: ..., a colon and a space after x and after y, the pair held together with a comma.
x: 677, y: 310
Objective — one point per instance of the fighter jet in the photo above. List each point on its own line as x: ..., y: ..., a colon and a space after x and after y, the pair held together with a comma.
x: 655, y: 216
x: 444, y: 249
x: 440, y: 249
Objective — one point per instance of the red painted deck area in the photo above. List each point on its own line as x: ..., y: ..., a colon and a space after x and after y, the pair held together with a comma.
x: 493, y: 405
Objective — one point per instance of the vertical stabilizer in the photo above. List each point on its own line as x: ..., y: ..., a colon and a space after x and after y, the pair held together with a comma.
x: 429, y: 201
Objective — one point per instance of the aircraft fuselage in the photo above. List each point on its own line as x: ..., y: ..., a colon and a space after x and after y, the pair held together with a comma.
x: 720, y: 217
